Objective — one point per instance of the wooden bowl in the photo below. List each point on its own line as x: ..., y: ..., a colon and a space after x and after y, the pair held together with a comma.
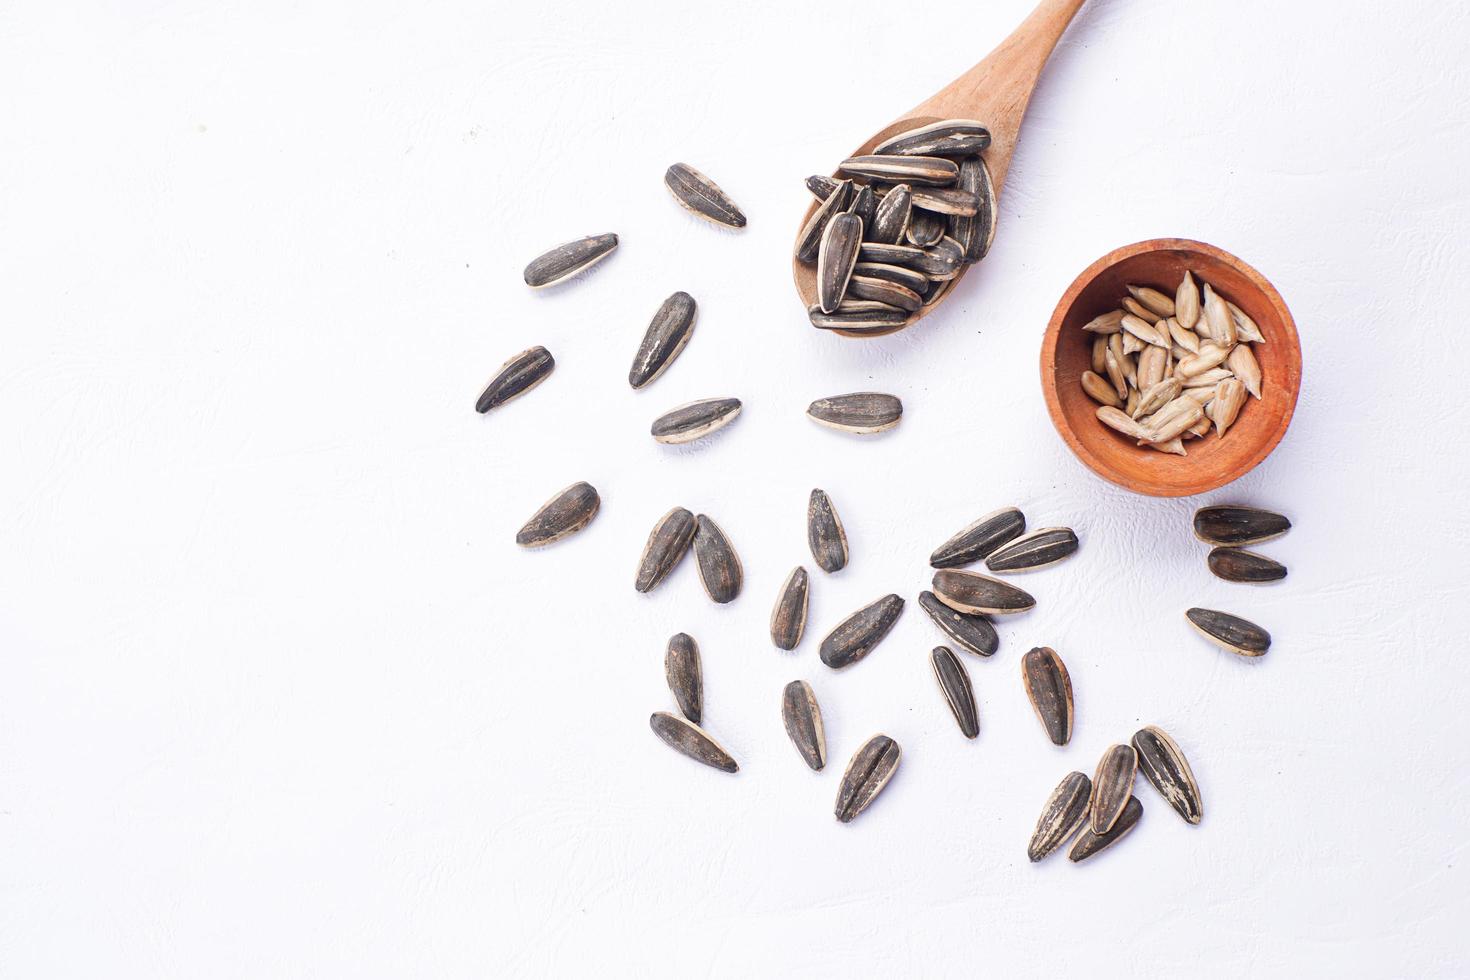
x: 1212, y: 462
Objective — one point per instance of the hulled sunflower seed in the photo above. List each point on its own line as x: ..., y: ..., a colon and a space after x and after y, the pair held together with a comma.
x: 1152, y: 299
x: 821, y: 186
x: 1112, y: 787
x: 702, y: 196
x: 1099, y: 390
x: 691, y: 740
x: 1208, y: 379
x: 864, y: 205
x: 719, y: 565
x: 1039, y: 549
x: 1210, y: 356
x: 1232, y: 525
x: 913, y: 170
x: 947, y: 200
x: 1151, y: 365
x: 1186, y: 302
x: 810, y: 239
x: 856, y: 636
x: 1183, y: 337
x: 1049, y: 688
x: 1118, y: 421
x: 871, y: 768
x: 668, y: 332
x: 516, y: 377
x: 667, y: 544
x: 694, y: 420
x: 980, y: 539
x: 566, y: 513
x: 974, y: 633
x: 788, y: 619
x: 1105, y: 323
x: 862, y: 412
x: 973, y: 593
x: 1242, y: 363
x: 1156, y: 396
x: 1230, y: 632
x: 567, y: 260
x: 1218, y: 322
x: 1089, y: 843
x: 824, y: 533
x: 1065, y: 813
x: 885, y: 292
x: 1172, y: 420
x: 1173, y: 446
x: 925, y: 229
x: 1229, y: 399
x: 803, y: 720
x: 1135, y: 308
x: 954, y: 684
x: 1114, y: 368
x: 946, y: 138
x: 857, y: 316
x: 836, y: 256
x: 1131, y: 343
x: 896, y: 274
x: 892, y: 216
x: 685, y: 675
x: 1163, y: 764
x: 1245, y: 327
x: 1144, y: 331
x: 1237, y: 565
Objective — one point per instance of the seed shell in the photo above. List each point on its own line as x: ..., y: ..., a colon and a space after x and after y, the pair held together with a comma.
x: 1238, y: 565
x: 925, y: 229
x: 1162, y: 762
x: 892, y: 216
x: 915, y: 170
x: 699, y: 194
x: 691, y: 740
x: 1231, y: 525
x: 668, y: 332
x: 803, y: 720
x: 1112, y: 787
x: 862, y: 412
x: 1065, y: 813
x: 1089, y: 843
x: 516, y: 377
x: 694, y: 420
x: 856, y: 636
x: 864, y: 205
x: 978, y: 230
x: 824, y: 533
x: 1049, y: 688
x: 719, y: 565
x: 857, y: 316
x: 788, y: 619
x: 980, y: 539
x: 885, y: 292
x: 810, y: 238
x: 567, y: 260
x: 871, y: 768
x: 947, y: 200
x: 821, y: 186
x: 973, y: 593
x: 836, y: 256
x: 897, y: 274
x: 1230, y: 632
x: 974, y: 633
x: 946, y: 138
x: 685, y: 675
x: 1039, y: 549
x: 667, y: 544
x: 954, y: 684
x: 566, y: 513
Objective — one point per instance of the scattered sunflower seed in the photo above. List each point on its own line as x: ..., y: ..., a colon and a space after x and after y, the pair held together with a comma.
x: 824, y: 533
x: 691, y: 740
x: 699, y: 194
x: 1163, y: 764
x: 1231, y: 525
x: 1112, y: 787
x: 695, y: 420
x: 856, y: 636
x: 1230, y: 632
x: 836, y: 255
x: 954, y: 683
x: 1049, y: 688
x: 788, y: 619
x: 974, y: 633
x: 566, y: 513
x: 1039, y: 549
x: 862, y: 412
x: 914, y: 170
x: 1065, y: 813
x: 980, y: 539
x: 803, y: 720
x: 667, y: 544
x: 719, y: 565
x: 869, y: 771
x: 685, y: 675
x: 1089, y: 843
x: 973, y: 593
x: 947, y: 138
x: 567, y: 260
x: 668, y: 332
x: 1238, y: 565
x: 516, y: 377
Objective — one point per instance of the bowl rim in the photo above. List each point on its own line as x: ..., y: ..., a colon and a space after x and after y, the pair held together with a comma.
x: 1064, y: 305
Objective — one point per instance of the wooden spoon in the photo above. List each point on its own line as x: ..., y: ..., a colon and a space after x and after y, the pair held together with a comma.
x: 994, y: 92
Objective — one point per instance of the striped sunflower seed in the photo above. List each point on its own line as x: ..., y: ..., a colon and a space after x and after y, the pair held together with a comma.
x: 976, y: 594
x: 1039, y: 549
x: 668, y: 332
x: 864, y: 205
x: 803, y: 720
x: 954, y: 684
x: 1232, y: 525
x: 869, y: 771
x: 1237, y: 565
x: 691, y: 740
x: 685, y: 675
x: 824, y: 533
x: 1163, y: 764
x: 1100, y: 390
x: 901, y: 255
x: 1049, y: 688
x: 821, y: 186
x: 892, y: 217
x: 810, y: 239
x: 974, y: 633
x: 1186, y: 302
x: 1112, y: 787
x: 1089, y: 843
x: 836, y: 256
x: 1065, y: 813
x: 858, y: 316
x: 566, y: 513
x: 516, y: 377
x: 976, y: 232
x: 694, y: 420
x: 913, y: 170
x: 702, y: 196
x: 567, y: 260
x: 885, y: 292
x: 896, y: 274
x: 862, y: 412
x: 788, y: 619
x: 719, y: 565
x: 1105, y: 323
x: 1242, y: 363
x: 946, y: 138
x: 1152, y: 299
x: 856, y: 636
x: 979, y: 539
x: 667, y: 544
x: 1245, y: 327
x: 1230, y: 632
x: 947, y: 200
x: 925, y: 229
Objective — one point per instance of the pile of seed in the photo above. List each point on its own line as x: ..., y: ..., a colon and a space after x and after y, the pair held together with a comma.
x: 892, y: 235
x: 1228, y: 528
x: 1165, y: 369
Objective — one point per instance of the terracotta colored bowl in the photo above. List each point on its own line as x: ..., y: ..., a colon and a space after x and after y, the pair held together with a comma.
x: 1212, y: 462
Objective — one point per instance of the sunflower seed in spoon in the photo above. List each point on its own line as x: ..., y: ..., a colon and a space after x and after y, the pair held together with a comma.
x: 954, y: 684
x: 864, y: 205
x: 974, y: 633
x: 857, y: 316
x: 892, y: 216
x: 885, y: 292
x: 667, y: 544
x: 1039, y: 549
x: 694, y: 420
x: 567, y: 260
x: 719, y: 565
x: 947, y: 200
x: 668, y: 332
x: 862, y: 412
x: 896, y: 274
x: 925, y: 229
x: 1230, y: 632
x: 567, y: 513
x: 1232, y: 525
x: 1163, y: 764
x: 516, y: 377
x: 973, y: 593
x: 788, y: 618
x: 869, y: 771
x: 810, y: 239
x: 1112, y: 787
x: 1065, y: 813
x: 946, y: 138
x: 691, y: 740
x: 697, y: 193
x: 975, y: 232
x: 979, y: 539
x: 914, y: 170
x: 856, y: 636
x: 803, y: 720
x: 685, y: 675
x: 824, y: 533
x: 1049, y: 688
x: 836, y: 255
x: 1089, y: 843
x: 1239, y: 565
x: 821, y: 186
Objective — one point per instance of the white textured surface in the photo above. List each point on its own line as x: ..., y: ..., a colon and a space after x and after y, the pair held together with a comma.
x: 278, y: 696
